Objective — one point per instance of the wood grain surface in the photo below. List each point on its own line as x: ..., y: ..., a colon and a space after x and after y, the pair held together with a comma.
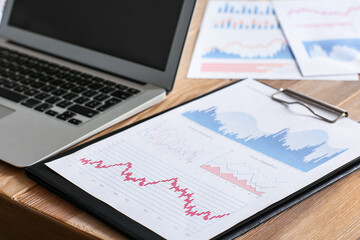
x: 28, y: 211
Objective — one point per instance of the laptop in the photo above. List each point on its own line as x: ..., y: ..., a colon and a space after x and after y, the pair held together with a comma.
x: 69, y: 69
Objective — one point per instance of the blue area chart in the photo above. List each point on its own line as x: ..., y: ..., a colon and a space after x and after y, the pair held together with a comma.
x: 283, y: 53
x: 344, y: 50
x: 304, y: 150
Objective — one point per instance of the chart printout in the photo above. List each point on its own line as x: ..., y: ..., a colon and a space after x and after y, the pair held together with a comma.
x: 324, y: 35
x: 240, y: 39
x: 199, y: 169
x: 2, y: 5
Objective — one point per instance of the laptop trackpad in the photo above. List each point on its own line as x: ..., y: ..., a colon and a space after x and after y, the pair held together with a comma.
x: 4, y: 111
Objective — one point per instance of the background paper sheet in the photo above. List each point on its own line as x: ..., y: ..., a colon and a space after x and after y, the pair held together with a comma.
x: 241, y: 39
x: 324, y: 35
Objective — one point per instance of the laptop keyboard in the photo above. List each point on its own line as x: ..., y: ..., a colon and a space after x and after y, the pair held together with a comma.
x: 57, y: 91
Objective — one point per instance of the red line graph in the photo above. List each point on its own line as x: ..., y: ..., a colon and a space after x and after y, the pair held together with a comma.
x: 248, y: 46
x: 341, y: 24
x: 328, y: 13
x: 241, y: 67
x: 142, y: 182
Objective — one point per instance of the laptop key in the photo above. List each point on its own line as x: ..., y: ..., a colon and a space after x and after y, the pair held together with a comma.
x: 81, y: 100
x: 78, y: 89
x: 133, y: 91
x: 108, y: 104
x: 27, y: 81
x: 48, y: 88
x: 42, y: 96
x: 84, y: 82
x: 70, y: 96
x: 101, y: 97
x: 64, y: 104
x: 121, y: 94
x: 31, y: 92
x: 53, y: 100
x: 66, y: 115
x: 21, y: 89
x: 37, y: 85
x: 121, y: 87
x: 90, y: 93
x: 31, y: 102
x: 51, y: 113
x: 59, y: 92
x: 107, y: 90
x: 43, y: 107
x: 3, y: 81
x: 67, y: 86
x: 57, y: 82
x: 12, y: 96
x: 93, y: 104
x: 95, y: 86
x: 83, y: 111
x: 10, y: 85
x: 75, y: 121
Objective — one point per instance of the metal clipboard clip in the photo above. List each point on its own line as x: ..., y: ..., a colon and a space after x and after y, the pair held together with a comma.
x: 306, y: 101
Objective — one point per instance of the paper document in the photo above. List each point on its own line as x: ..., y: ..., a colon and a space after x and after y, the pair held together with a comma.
x: 324, y: 35
x: 240, y: 39
x: 199, y: 169
x: 2, y: 5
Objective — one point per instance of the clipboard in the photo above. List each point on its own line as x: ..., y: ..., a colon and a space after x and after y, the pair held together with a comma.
x: 51, y: 180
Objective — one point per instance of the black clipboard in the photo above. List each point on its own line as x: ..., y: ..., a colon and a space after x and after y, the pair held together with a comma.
x: 56, y: 183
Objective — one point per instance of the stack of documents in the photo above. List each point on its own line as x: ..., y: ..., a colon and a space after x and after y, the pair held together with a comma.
x: 315, y: 40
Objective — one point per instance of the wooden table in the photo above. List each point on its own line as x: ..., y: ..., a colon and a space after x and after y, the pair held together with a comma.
x: 29, y: 211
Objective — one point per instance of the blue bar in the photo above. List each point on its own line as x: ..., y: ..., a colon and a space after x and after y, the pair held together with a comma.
x: 253, y: 26
x: 244, y: 10
x: 226, y: 8
x: 249, y: 11
x: 231, y: 9
x: 267, y: 10
x: 255, y: 10
x: 228, y: 24
x: 219, y: 10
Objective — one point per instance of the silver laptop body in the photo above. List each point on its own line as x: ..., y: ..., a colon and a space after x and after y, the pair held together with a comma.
x: 31, y: 27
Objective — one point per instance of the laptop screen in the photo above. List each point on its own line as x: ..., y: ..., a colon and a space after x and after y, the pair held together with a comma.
x: 140, y: 31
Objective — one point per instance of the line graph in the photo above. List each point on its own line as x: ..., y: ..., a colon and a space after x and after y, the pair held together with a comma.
x: 171, y: 140
x: 324, y: 37
x: 345, y: 13
x: 244, y: 173
x: 293, y: 149
x: 132, y: 176
x: 277, y: 48
x: 142, y: 182
x: 231, y: 178
x: 241, y: 67
x: 251, y: 46
x: 324, y: 25
x: 242, y: 39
